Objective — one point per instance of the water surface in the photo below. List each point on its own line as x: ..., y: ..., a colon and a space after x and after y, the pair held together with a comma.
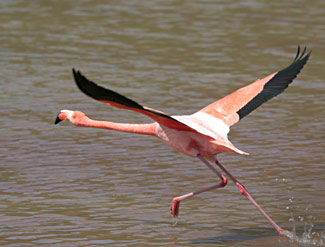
x: 69, y: 186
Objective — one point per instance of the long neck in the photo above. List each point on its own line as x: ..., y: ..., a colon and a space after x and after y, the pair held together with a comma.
x: 144, y: 129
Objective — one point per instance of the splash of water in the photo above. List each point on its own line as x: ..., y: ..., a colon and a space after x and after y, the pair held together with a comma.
x: 310, y: 236
x: 174, y: 221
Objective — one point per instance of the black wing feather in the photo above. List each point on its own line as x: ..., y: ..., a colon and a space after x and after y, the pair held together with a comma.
x: 99, y: 93
x: 277, y: 84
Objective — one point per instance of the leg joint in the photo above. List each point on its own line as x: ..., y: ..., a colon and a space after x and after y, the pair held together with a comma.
x: 224, y: 181
x: 242, y: 189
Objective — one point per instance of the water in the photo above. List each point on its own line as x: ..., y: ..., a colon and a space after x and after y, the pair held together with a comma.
x: 68, y: 186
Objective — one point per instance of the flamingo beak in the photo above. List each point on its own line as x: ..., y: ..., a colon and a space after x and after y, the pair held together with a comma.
x: 57, y: 120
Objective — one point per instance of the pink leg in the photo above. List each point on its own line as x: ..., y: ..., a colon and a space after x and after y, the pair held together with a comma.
x: 245, y: 193
x: 174, y: 207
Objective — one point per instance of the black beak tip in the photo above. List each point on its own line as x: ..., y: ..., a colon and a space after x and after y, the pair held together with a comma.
x: 57, y: 120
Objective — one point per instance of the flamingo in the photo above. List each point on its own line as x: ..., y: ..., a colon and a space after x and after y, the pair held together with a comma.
x: 202, y: 134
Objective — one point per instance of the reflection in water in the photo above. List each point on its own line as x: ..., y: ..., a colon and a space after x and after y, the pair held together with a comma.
x: 76, y: 187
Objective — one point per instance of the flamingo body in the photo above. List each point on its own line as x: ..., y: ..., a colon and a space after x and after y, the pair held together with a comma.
x: 210, y: 138
x: 203, y: 134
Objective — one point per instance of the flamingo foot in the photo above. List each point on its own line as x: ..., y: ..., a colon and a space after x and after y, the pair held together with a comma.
x: 287, y: 234
x: 174, y: 207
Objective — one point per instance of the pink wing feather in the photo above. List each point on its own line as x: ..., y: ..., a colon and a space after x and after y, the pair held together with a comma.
x: 237, y: 105
x: 226, y: 108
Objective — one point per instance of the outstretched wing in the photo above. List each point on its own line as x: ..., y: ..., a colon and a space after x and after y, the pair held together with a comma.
x: 115, y: 99
x: 240, y: 103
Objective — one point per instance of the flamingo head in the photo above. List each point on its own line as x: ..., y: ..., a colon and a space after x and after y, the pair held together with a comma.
x: 63, y: 115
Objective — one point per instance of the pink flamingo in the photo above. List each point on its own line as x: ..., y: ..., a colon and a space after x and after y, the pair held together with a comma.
x: 202, y: 134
